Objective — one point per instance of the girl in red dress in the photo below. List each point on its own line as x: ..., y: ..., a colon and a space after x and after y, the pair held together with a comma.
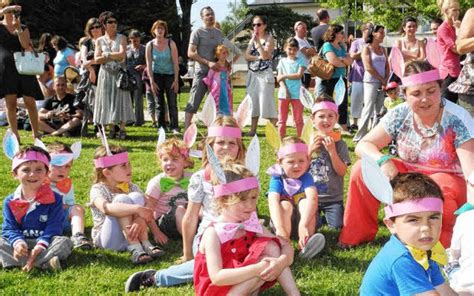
x: 237, y: 256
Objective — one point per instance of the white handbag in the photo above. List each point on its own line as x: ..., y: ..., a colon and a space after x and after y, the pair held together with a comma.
x: 29, y: 63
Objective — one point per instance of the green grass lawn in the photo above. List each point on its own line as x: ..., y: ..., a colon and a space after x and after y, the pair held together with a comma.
x: 333, y: 272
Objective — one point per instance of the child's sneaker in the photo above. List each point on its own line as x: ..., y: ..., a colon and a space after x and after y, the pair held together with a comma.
x: 314, y: 245
x: 80, y: 241
x: 140, y: 279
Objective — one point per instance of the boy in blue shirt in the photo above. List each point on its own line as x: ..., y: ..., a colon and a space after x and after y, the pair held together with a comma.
x: 408, y: 262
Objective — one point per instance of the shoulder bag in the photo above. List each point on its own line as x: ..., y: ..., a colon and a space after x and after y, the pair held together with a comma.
x: 29, y: 63
x: 319, y: 67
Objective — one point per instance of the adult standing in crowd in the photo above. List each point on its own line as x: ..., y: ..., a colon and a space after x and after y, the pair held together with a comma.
x: 136, y: 65
x: 64, y: 55
x: 58, y: 116
x: 433, y: 136
x: 375, y: 79
x: 412, y: 48
x: 305, y: 50
x: 112, y: 104
x: 450, y: 65
x: 356, y: 75
x: 162, y: 62
x: 434, y: 25
x: 16, y: 37
x: 260, y: 82
x: 335, y: 52
x: 317, y: 34
x: 202, y: 45
x: 92, y: 32
x: 464, y: 85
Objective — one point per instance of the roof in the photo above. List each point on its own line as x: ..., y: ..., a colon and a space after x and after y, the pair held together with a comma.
x: 269, y: 2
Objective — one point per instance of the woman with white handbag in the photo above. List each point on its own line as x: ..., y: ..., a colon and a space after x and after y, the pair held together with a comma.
x: 16, y: 38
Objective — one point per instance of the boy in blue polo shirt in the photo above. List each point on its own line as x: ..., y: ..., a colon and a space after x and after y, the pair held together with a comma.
x: 408, y: 262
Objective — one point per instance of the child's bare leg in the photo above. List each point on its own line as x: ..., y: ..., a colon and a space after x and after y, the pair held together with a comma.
x: 307, y: 210
x: 125, y: 223
x: 76, y: 215
x: 246, y: 288
x: 285, y: 278
x: 287, y: 208
x: 179, y: 218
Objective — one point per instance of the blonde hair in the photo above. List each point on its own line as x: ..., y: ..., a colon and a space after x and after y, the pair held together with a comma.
x: 224, y: 121
x: 445, y: 4
x: 101, y: 152
x: 233, y: 172
x: 174, y: 147
x: 219, y: 49
x: 290, y: 140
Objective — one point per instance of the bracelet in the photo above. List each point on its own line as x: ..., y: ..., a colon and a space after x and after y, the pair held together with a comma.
x: 19, y: 31
x: 384, y: 159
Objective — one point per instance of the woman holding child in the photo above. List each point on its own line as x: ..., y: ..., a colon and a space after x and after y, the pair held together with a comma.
x: 434, y: 137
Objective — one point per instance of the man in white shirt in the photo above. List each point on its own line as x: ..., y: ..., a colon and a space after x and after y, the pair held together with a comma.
x: 306, y: 50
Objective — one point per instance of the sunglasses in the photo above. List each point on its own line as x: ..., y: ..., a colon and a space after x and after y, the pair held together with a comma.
x: 95, y: 27
x: 111, y: 22
x: 257, y: 24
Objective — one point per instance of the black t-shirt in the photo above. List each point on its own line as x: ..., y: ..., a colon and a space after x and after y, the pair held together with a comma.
x: 54, y: 104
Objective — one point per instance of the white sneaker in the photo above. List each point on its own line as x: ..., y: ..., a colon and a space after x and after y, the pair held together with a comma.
x: 175, y: 132
x: 314, y: 246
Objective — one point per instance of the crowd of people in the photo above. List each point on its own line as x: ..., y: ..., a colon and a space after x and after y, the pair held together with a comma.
x: 416, y: 100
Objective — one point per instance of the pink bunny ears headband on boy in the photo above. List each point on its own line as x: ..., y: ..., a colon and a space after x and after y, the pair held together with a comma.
x: 397, y: 64
x: 273, y: 138
x: 11, y: 148
x: 325, y: 105
x: 110, y: 159
x: 252, y: 162
x: 379, y: 185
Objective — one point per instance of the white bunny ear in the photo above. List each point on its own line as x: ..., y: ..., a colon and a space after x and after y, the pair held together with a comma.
x: 243, y: 115
x: 161, y: 137
x: 252, y: 158
x: 39, y: 143
x: 208, y: 112
x: 306, y: 98
x: 215, y: 164
x: 103, y: 138
x: 10, y: 144
x: 190, y: 135
x: 76, y: 149
x: 377, y: 183
x: 340, y: 91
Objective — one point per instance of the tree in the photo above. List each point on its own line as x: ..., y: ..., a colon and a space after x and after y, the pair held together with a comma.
x: 238, y: 13
x: 390, y: 13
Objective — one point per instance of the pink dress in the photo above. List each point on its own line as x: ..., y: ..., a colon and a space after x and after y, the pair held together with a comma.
x: 242, y: 251
x: 214, y: 83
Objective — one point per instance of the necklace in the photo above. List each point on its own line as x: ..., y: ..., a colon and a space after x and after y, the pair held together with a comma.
x: 428, y: 132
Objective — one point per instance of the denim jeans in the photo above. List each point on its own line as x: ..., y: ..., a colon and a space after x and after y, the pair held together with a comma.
x: 333, y: 214
x: 175, y: 275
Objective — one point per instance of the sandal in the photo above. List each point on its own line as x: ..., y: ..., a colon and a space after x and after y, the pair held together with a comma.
x: 154, y: 252
x: 140, y: 257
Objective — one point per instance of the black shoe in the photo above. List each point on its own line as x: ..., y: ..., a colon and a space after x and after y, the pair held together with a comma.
x: 140, y: 279
x: 354, y: 128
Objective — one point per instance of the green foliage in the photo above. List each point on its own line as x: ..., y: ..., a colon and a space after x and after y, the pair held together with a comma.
x: 237, y: 13
x: 101, y: 272
x: 390, y: 13
x: 280, y: 22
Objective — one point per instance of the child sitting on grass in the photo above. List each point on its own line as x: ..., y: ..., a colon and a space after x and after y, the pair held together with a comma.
x: 330, y: 159
x: 237, y: 256
x: 408, y: 262
x: 59, y: 168
x: 33, y: 217
x: 118, y: 207
x: 166, y: 194
x: 293, y: 199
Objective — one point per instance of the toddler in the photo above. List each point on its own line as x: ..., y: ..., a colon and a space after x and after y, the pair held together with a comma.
x: 290, y: 71
x: 393, y: 99
x: 330, y: 159
x: 219, y: 82
x: 293, y: 199
x: 61, y: 162
x: 166, y: 193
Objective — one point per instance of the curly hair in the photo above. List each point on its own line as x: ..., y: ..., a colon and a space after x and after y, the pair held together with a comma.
x: 331, y: 32
x: 413, y: 186
x: 174, y: 147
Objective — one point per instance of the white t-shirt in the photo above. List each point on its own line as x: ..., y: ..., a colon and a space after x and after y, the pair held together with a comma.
x: 303, y: 43
x: 463, y: 241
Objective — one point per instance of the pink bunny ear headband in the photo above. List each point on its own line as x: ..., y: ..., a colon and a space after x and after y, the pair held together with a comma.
x: 235, y: 187
x: 325, y: 105
x: 224, y: 131
x: 421, y: 78
x: 111, y: 160
x: 29, y: 156
x: 426, y: 204
x: 292, y: 148
x: 11, y: 147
